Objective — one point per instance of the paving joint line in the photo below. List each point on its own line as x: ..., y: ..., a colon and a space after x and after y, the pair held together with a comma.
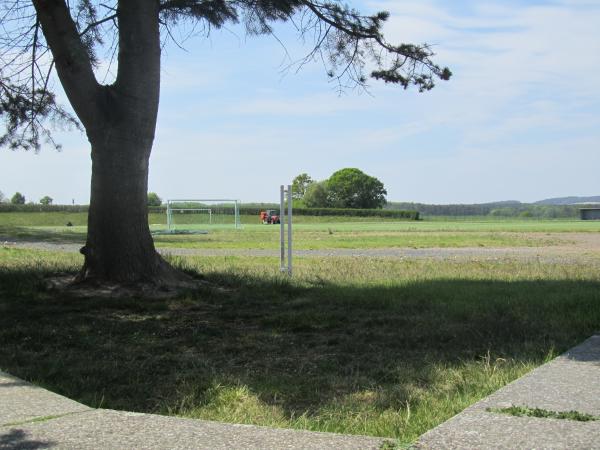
x: 43, y: 419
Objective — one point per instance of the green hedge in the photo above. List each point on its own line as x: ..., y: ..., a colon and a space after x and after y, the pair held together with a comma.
x: 247, y: 211
x: 349, y: 212
x: 9, y: 207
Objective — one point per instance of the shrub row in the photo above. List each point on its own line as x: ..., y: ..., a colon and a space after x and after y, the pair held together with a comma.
x: 348, y: 212
x: 386, y: 213
x: 9, y: 207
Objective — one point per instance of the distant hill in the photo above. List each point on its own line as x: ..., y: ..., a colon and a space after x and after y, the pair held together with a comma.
x: 568, y: 200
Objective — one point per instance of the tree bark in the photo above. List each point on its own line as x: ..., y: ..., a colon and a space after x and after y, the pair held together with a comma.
x: 120, y: 122
x: 119, y: 246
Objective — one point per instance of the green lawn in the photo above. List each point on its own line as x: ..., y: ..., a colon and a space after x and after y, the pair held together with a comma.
x: 314, y: 233
x: 353, y: 345
x: 325, y: 223
x: 310, y: 237
x: 306, y: 237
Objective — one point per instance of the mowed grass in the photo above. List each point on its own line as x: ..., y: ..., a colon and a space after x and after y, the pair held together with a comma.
x: 314, y: 233
x: 367, y: 346
x: 307, y: 238
x: 58, y: 220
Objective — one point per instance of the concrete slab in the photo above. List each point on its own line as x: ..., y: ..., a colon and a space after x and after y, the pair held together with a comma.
x: 21, y: 401
x: 570, y: 382
x: 107, y: 429
x: 474, y: 429
x: 33, y: 418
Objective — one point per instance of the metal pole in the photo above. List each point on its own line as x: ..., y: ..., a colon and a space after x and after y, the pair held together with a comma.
x: 281, y: 229
x: 236, y: 215
x: 289, y: 225
x: 169, y: 215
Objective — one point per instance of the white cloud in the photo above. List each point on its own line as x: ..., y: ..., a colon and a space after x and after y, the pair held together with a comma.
x: 518, y: 68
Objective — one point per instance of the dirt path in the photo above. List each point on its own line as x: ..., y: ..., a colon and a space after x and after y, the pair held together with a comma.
x: 574, y: 247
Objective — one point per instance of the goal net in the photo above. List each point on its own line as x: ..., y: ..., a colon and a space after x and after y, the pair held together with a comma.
x: 202, y: 214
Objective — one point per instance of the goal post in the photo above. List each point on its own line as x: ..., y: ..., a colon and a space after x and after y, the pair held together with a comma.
x: 189, y: 215
x: 170, y: 212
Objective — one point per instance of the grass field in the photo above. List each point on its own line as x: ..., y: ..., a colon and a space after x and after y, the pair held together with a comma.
x: 315, y: 233
x: 342, y: 223
x: 384, y: 347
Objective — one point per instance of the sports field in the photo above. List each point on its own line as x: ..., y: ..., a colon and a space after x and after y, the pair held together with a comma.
x: 319, y: 232
x: 387, y: 328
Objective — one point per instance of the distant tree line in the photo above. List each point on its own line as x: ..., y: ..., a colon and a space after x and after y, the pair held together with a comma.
x: 19, y: 199
x: 33, y: 207
x: 477, y: 209
x: 319, y: 197
x: 497, y: 209
x: 538, y: 211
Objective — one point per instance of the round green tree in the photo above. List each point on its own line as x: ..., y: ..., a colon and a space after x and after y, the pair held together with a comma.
x: 352, y: 188
x: 154, y: 199
x: 18, y: 199
x: 300, y: 184
x: 316, y: 195
x: 46, y: 200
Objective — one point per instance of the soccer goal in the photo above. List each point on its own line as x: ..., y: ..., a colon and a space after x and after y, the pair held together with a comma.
x: 202, y: 214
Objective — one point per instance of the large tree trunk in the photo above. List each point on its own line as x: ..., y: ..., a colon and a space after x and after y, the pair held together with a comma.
x: 119, y: 245
x: 120, y: 121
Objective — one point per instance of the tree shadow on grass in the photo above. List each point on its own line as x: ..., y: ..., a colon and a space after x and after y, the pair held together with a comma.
x: 28, y: 234
x: 300, y: 350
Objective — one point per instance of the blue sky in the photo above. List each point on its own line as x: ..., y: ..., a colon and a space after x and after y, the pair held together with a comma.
x: 520, y: 118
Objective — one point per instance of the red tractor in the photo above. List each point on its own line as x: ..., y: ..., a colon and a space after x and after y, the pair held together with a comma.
x: 269, y: 217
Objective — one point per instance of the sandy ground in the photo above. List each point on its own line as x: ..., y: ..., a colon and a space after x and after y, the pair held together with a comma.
x: 572, y: 248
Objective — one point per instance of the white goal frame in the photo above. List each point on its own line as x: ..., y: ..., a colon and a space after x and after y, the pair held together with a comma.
x: 173, y: 205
